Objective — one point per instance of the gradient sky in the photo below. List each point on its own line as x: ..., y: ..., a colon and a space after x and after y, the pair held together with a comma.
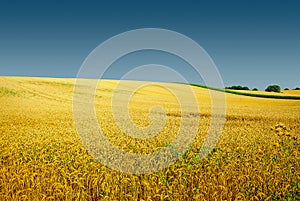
x: 253, y: 43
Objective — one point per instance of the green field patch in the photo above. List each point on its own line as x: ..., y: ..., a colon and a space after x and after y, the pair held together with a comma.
x: 7, y: 92
x: 52, y: 83
x: 106, y: 90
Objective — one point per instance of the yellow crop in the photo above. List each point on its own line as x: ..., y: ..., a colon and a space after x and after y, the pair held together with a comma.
x: 42, y: 158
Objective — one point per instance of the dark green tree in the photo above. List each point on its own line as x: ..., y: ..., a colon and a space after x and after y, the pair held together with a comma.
x: 274, y: 88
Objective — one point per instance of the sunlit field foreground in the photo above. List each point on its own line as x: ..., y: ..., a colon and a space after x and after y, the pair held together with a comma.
x: 42, y: 157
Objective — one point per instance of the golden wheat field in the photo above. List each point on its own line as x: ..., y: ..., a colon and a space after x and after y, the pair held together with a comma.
x: 42, y: 157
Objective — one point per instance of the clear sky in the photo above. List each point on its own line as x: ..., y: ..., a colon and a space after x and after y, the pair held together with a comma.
x: 253, y: 43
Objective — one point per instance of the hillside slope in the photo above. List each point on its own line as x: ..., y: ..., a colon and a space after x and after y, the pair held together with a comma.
x: 43, y: 157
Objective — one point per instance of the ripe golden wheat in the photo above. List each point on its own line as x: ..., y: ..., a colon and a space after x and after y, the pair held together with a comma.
x: 42, y: 157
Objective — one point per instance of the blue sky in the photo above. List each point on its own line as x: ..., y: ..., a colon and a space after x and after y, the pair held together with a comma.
x: 253, y: 43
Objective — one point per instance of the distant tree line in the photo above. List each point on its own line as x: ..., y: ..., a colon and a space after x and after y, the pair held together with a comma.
x: 297, y: 88
x: 270, y: 88
x: 238, y: 88
x: 276, y: 88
